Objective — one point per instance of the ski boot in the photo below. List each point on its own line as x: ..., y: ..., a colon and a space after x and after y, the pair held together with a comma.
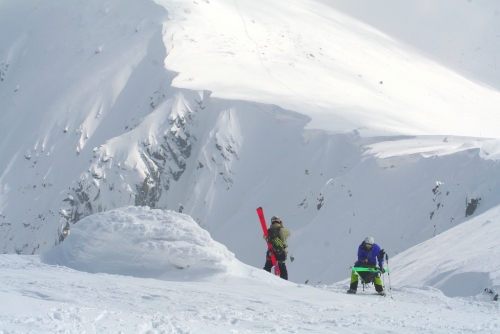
x: 380, y: 289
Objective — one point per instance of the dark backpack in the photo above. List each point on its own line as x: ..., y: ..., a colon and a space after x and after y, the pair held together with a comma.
x: 368, y: 277
x: 275, y: 240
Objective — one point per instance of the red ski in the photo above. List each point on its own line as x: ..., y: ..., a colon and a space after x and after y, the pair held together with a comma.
x: 260, y: 212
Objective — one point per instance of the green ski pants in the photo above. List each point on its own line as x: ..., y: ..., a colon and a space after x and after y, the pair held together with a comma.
x: 354, y: 278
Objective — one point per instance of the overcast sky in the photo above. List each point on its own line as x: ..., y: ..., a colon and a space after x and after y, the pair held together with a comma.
x: 463, y: 34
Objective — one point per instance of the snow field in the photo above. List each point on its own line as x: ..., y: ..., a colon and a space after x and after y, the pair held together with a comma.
x: 233, y: 298
x: 47, y: 299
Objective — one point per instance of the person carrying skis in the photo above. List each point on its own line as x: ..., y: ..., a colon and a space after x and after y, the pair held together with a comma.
x: 277, y: 237
x: 368, y: 255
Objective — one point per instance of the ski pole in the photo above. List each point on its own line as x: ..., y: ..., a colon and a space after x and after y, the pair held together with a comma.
x: 389, y: 273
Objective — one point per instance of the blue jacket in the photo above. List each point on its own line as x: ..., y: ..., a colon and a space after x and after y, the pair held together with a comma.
x: 372, y: 255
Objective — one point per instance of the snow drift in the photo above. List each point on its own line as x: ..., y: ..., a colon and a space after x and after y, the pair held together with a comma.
x: 140, y: 242
x: 461, y: 262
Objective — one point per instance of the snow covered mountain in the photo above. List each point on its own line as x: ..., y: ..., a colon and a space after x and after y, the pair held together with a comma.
x: 213, y: 108
x: 462, y: 35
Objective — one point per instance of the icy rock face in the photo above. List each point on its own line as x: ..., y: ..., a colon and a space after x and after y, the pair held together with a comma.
x: 141, y: 242
x: 4, y: 67
x: 134, y: 169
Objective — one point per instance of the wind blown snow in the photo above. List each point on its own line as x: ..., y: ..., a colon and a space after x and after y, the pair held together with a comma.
x: 140, y: 242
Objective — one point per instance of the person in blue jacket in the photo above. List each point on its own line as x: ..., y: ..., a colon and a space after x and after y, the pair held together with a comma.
x: 369, y: 253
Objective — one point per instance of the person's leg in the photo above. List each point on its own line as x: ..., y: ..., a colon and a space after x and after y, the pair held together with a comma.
x: 283, y: 271
x: 354, y: 282
x: 281, y: 258
x: 378, y: 284
x: 268, y: 265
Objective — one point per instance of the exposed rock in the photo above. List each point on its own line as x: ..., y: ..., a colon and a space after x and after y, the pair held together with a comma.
x: 164, y: 159
x: 471, y: 206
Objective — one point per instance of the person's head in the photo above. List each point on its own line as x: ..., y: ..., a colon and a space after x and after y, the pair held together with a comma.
x: 275, y: 219
x: 369, y: 241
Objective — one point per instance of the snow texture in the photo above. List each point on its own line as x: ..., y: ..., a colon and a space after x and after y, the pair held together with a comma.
x: 140, y: 242
x: 46, y: 298
x: 460, y: 262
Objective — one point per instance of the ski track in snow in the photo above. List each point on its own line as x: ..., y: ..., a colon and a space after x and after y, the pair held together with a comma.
x: 52, y: 299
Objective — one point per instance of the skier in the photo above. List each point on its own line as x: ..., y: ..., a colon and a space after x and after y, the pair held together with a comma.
x: 277, y: 237
x: 368, y: 254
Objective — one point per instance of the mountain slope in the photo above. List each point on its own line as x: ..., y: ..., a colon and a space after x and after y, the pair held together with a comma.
x: 462, y: 35
x: 307, y: 57
x: 182, y: 106
x: 459, y: 262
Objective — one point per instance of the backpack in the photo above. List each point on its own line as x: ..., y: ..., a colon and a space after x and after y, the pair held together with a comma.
x: 367, y: 277
x: 275, y: 240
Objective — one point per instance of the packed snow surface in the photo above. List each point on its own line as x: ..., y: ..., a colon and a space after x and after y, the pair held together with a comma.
x: 233, y: 298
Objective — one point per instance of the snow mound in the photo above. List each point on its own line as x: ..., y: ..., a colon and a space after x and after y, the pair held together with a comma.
x: 141, y: 242
x: 461, y: 262
x: 491, y: 150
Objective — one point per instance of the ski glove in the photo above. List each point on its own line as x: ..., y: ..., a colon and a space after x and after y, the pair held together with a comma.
x: 382, y: 253
x: 382, y: 270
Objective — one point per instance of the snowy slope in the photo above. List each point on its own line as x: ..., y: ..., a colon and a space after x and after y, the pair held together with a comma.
x: 48, y: 299
x: 63, y: 92
x: 462, y: 35
x: 216, y: 108
x: 307, y: 57
x: 233, y: 298
x: 462, y: 261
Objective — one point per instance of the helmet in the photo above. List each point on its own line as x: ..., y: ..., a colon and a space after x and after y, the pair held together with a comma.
x: 369, y: 240
x: 275, y: 219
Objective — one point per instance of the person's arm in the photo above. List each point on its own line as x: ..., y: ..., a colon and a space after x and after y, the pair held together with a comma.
x: 380, y: 257
x: 284, y: 234
x: 361, y: 256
